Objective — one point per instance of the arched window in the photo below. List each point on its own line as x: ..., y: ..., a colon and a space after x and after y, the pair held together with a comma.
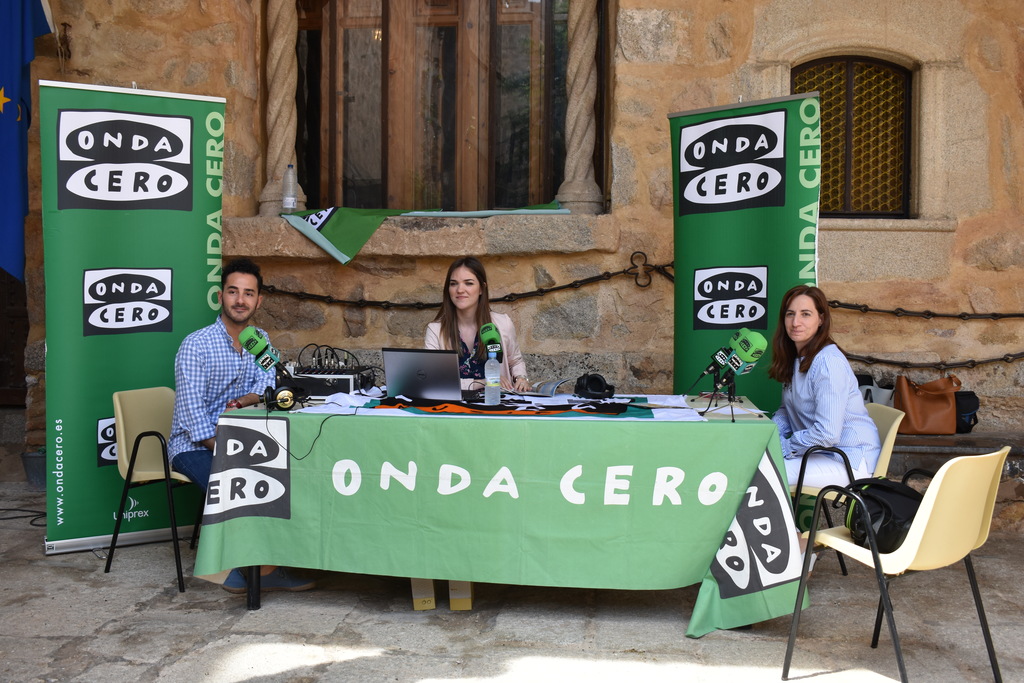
x: 432, y: 104
x: 865, y: 134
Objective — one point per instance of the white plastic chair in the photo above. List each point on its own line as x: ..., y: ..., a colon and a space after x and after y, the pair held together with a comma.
x: 142, y: 423
x: 953, y: 519
x: 887, y: 422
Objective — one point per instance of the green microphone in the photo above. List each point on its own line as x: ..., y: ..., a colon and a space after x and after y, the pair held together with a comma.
x: 491, y: 339
x: 265, y: 355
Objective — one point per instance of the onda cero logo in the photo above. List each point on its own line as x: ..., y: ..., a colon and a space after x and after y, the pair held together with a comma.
x: 117, y: 160
x: 727, y: 298
x: 759, y: 551
x: 251, y: 475
x: 126, y: 300
x: 730, y: 164
x: 106, y: 442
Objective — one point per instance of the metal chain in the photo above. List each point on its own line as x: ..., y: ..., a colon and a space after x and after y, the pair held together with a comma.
x: 639, y: 269
x: 927, y: 315
x: 941, y: 366
x: 642, y: 273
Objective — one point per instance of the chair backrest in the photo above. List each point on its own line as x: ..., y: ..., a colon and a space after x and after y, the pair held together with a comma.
x: 887, y: 421
x: 955, y: 514
x: 137, y: 411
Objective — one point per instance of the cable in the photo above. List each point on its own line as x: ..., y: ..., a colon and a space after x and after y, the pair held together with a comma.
x: 20, y: 513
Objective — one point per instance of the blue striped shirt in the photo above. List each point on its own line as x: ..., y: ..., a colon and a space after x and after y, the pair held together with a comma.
x: 824, y: 407
x: 209, y: 372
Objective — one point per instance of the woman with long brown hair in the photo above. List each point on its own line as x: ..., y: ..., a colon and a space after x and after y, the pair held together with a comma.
x: 465, y: 307
x: 821, y: 399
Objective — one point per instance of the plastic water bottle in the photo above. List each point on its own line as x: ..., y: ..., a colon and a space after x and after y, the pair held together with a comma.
x: 492, y: 380
x: 289, y: 191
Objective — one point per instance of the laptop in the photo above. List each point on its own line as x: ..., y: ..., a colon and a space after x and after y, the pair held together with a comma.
x: 422, y: 373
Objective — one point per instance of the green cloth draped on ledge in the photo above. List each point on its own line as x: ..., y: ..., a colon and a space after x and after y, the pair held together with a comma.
x: 342, y: 232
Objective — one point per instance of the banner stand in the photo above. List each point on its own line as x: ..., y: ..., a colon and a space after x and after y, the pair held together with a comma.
x: 132, y: 184
x: 746, y: 179
x: 74, y: 545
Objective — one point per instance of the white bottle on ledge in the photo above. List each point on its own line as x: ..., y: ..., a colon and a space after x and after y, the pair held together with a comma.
x: 289, y: 189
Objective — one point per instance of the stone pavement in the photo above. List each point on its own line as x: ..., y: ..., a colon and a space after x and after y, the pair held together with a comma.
x: 63, y: 619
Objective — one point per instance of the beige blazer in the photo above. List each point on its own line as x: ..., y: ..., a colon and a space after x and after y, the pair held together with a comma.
x: 512, y: 365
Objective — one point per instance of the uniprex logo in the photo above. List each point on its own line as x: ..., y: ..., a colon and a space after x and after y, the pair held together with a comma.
x: 730, y: 164
x: 132, y: 511
x: 251, y: 475
x: 727, y: 298
x: 116, y: 160
x: 106, y: 442
x: 123, y: 301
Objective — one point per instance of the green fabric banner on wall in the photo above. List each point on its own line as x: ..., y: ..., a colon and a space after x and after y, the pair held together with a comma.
x: 132, y: 184
x: 746, y: 181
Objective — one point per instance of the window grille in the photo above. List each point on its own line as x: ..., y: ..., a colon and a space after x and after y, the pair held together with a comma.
x: 865, y: 134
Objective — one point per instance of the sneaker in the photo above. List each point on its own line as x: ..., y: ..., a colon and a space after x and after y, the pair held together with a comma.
x: 235, y: 582
x: 281, y: 580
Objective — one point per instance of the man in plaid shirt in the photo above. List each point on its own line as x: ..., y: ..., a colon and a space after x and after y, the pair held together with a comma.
x: 212, y: 375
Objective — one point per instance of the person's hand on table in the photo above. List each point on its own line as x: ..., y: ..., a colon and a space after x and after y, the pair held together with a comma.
x: 520, y: 383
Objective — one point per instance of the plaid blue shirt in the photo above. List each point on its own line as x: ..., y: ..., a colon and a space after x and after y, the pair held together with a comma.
x: 209, y: 372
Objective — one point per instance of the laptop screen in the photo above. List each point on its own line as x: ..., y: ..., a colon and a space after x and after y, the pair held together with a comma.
x: 422, y: 373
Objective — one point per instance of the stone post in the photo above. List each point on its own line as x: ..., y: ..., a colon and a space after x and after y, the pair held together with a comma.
x: 579, y: 192
x: 282, y: 79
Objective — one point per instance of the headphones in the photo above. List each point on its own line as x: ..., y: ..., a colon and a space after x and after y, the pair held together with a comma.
x: 593, y: 386
x: 284, y: 398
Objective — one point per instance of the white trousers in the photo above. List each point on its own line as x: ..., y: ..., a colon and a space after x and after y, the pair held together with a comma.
x: 823, y: 469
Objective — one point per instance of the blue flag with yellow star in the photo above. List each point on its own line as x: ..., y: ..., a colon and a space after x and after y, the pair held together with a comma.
x: 21, y: 21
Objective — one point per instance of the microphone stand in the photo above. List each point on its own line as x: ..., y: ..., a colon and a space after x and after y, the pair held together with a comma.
x: 729, y: 384
x: 713, y: 395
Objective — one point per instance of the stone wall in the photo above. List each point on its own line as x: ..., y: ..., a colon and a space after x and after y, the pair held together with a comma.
x: 963, y: 252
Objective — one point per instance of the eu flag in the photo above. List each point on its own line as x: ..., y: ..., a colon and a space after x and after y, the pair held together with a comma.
x: 20, y: 22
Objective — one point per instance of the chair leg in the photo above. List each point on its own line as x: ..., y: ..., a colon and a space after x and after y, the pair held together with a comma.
x: 878, y: 623
x: 981, y: 617
x: 805, y: 569
x: 839, y: 555
x: 885, y: 604
x: 174, y: 524
x: 117, y: 520
x: 199, y: 521
x: 795, y: 623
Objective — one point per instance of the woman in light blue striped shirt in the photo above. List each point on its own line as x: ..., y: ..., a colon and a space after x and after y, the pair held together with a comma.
x: 821, y: 400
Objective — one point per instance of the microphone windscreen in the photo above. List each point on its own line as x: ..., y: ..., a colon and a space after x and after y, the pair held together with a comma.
x: 489, y: 334
x: 252, y: 341
x: 748, y: 345
x: 491, y: 339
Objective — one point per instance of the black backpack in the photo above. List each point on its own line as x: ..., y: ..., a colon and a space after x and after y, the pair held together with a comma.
x: 891, y: 506
x: 967, y: 405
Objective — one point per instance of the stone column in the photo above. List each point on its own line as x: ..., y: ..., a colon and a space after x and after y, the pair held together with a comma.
x: 579, y: 192
x: 282, y: 79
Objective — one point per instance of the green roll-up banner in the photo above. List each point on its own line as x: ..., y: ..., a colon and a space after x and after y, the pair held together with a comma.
x: 132, y: 184
x: 746, y: 181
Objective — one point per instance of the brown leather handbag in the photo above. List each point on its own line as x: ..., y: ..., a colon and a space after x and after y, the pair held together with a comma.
x: 930, y: 408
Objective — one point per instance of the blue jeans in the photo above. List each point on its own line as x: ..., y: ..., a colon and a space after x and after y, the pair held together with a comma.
x: 195, y: 465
